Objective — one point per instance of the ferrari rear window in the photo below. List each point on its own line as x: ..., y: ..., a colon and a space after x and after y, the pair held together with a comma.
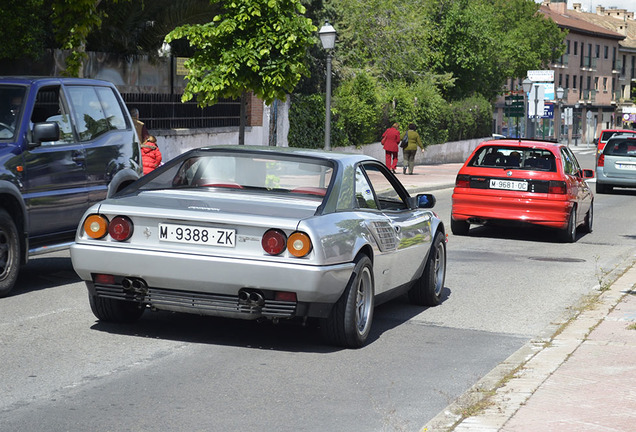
x: 248, y: 171
x: 526, y: 158
x: 621, y: 147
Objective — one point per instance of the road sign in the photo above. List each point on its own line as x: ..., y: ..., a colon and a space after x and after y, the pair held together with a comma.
x: 541, y: 75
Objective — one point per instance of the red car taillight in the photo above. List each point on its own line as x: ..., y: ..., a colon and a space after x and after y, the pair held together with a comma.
x: 462, y: 181
x: 274, y: 241
x: 120, y: 228
x: 601, y: 160
x: 557, y: 187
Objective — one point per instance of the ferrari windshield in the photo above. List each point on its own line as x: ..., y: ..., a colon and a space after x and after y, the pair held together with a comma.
x: 245, y: 170
x: 526, y: 158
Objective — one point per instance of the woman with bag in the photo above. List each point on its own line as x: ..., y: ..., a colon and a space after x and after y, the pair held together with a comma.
x: 390, y: 141
x: 413, y: 141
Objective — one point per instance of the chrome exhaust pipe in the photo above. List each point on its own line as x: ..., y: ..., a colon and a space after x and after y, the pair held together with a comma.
x: 134, y: 284
x: 256, y: 298
x: 243, y: 296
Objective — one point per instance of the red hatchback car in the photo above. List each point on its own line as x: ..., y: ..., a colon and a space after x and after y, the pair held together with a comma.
x: 523, y: 181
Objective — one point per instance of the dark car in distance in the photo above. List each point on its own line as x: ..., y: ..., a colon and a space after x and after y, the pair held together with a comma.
x: 65, y: 143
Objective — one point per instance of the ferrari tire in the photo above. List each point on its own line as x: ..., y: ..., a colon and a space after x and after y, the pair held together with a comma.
x: 9, y: 253
x: 568, y: 235
x: 349, y: 323
x: 459, y: 227
x: 589, y: 220
x: 427, y: 290
x: 116, y: 311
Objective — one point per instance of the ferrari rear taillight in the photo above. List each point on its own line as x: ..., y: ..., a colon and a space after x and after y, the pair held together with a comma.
x: 462, y: 181
x: 557, y: 187
x: 601, y: 160
x: 96, y: 226
x: 299, y: 244
x: 120, y: 228
x: 274, y: 241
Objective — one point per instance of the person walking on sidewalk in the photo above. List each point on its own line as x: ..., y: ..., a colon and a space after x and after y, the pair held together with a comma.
x: 150, y: 154
x: 414, y: 141
x: 390, y: 142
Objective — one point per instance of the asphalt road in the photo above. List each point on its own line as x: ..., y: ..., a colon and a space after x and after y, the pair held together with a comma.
x: 64, y: 371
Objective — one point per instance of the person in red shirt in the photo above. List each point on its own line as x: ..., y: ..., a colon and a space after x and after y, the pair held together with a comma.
x: 390, y: 142
x: 150, y: 154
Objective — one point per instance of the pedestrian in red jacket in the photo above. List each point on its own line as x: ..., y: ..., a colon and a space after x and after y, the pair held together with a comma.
x: 390, y: 142
x: 150, y: 154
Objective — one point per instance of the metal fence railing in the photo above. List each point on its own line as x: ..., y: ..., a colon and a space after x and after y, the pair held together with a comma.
x: 166, y: 111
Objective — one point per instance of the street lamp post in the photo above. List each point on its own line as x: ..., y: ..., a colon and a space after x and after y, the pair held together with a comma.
x: 328, y: 39
x: 557, y: 125
x: 527, y: 86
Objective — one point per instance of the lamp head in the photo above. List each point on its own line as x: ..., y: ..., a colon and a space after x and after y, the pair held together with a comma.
x: 327, y: 36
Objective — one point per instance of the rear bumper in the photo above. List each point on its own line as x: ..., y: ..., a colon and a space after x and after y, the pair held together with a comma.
x: 210, y: 285
x: 625, y: 181
x: 485, y: 208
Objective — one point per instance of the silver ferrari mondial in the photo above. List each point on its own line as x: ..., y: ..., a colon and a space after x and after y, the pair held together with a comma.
x: 255, y: 233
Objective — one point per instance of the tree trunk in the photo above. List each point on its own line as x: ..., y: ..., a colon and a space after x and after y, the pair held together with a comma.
x: 243, y: 118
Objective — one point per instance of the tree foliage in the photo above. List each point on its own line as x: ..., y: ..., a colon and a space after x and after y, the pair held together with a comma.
x: 256, y: 45
x: 482, y: 43
x: 22, y: 29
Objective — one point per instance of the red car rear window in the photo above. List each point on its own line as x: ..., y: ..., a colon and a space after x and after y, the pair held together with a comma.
x: 526, y: 158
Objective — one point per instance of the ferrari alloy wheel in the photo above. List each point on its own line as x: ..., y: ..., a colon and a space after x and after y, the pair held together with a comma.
x: 9, y: 253
x: 427, y: 290
x: 117, y: 311
x: 349, y: 323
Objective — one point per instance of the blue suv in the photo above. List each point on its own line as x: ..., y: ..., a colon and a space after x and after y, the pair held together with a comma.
x: 65, y: 144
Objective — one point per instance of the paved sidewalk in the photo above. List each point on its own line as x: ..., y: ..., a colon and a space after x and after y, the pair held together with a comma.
x: 582, y: 379
x: 578, y: 379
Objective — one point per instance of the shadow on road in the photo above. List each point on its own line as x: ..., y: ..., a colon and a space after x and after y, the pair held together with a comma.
x: 44, y: 272
x: 287, y: 335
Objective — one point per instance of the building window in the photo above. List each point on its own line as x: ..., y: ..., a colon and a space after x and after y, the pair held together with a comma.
x: 567, y: 81
x: 576, y: 47
x: 567, y: 44
x: 589, y: 82
x: 604, y: 84
x: 560, y: 80
x: 574, y: 82
x: 598, y: 51
x: 596, y: 83
x: 606, y: 54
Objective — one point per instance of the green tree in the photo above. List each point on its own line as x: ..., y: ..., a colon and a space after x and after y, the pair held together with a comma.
x: 256, y: 45
x: 484, y: 42
x: 22, y: 28
x: 358, y: 110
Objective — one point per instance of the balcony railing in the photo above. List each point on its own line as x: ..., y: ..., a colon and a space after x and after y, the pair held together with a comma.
x: 589, y: 62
